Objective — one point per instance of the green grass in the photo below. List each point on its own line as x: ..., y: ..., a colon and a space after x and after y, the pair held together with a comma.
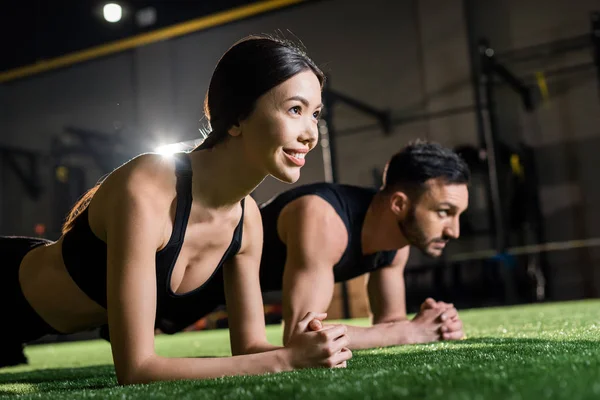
x: 549, y: 351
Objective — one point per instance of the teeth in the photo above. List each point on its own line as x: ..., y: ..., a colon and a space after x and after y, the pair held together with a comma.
x: 298, y: 155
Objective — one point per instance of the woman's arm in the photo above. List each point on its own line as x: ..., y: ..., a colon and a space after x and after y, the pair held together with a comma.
x: 134, y: 231
x: 242, y: 289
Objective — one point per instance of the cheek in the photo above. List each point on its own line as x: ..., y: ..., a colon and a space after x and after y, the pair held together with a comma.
x: 431, y: 225
x: 287, y: 130
x: 260, y: 136
x: 276, y: 131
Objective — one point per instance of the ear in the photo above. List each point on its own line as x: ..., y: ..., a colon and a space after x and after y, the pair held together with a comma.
x: 399, y: 203
x: 235, y: 130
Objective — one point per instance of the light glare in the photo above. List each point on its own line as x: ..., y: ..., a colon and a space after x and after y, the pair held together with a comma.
x: 169, y: 149
x: 112, y: 12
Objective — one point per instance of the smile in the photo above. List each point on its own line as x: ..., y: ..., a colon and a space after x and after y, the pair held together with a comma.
x: 295, y: 157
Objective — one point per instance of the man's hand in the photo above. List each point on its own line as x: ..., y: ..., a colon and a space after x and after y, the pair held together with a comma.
x: 437, y: 321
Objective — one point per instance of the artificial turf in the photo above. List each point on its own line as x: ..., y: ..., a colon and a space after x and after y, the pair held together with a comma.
x: 544, y: 351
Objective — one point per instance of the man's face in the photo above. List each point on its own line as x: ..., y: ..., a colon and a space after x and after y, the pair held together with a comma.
x: 433, y: 219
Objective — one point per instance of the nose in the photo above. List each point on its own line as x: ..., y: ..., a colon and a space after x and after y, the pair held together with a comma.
x: 310, y: 136
x: 453, y: 229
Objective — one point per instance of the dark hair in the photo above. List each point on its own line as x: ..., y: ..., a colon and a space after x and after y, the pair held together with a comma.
x: 249, y: 69
x: 421, y: 161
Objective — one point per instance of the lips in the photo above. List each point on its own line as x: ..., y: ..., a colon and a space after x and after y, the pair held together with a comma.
x: 296, y: 156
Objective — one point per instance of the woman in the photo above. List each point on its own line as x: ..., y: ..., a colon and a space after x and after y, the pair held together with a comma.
x: 160, y: 236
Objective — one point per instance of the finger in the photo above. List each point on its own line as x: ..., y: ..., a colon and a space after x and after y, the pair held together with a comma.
x: 451, y: 313
x: 444, y: 305
x: 448, y: 314
x: 451, y: 326
x: 458, y: 335
x: 428, y: 303
x: 315, y: 325
x: 303, y: 323
x: 333, y: 333
x: 329, y: 326
x: 343, y: 364
x: 338, y: 345
x: 341, y: 356
x: 432, y: 315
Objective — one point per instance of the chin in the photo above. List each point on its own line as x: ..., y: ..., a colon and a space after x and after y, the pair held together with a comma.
x: 431, y: 252
x: 286, y: 175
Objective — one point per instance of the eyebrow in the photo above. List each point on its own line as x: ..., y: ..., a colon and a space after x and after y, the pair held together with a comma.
x: 448, y: 205
x: 302, y: 100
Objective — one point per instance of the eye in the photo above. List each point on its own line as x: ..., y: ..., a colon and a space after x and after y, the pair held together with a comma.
x: 443, y: 213
x: 296, y: 110
x: 317, y: 114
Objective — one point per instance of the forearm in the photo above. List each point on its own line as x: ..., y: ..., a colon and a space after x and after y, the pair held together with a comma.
x: 380, y: 335
x: 169, y: 369
x: 257, y: 348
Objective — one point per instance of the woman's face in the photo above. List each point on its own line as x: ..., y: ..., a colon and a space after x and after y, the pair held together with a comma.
x: 282, y: 128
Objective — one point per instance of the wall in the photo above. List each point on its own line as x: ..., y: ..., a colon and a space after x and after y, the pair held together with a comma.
x: 563, y: 132
x: 154, y: 94
x: 409, y: 57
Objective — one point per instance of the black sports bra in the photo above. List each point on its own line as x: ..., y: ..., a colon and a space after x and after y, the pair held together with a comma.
x: 84, y: 256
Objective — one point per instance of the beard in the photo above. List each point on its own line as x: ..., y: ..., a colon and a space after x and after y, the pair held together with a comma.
x: 416, y: 236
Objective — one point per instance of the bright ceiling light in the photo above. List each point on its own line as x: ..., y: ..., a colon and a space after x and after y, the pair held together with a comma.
x: 112, y: 12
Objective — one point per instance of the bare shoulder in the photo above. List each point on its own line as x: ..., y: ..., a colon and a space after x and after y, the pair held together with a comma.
x: 148, y: 178
x: 149, y: 173
x: 141, y: 188
x: 402, y: 256
x: 309, y: 209
x: 312, y: 224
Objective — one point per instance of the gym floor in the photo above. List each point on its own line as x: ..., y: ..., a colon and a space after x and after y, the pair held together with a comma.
x: 536, y: 351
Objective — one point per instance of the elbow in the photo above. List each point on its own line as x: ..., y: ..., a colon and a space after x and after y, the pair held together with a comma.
x: 126, y: 380
x: 239, y: 351
x: 243, y: 350
x: 130, y: 377
x: 135, y: 374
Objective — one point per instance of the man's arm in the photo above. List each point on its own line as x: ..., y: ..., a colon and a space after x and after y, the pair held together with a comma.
x: 388, y: 307
x: 391, y: 327
x: 316, y: 238
x: 435, y: 321
x: 386, y: 290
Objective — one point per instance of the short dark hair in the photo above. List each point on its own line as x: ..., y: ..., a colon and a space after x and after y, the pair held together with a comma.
x: 249, y: 69
x: 420, y: 161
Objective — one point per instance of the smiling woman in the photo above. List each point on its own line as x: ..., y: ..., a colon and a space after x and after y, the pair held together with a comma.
x: 170, y: 239
x: 252, y: 79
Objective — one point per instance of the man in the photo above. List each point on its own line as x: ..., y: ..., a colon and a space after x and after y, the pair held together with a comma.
x: 319, y: 234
